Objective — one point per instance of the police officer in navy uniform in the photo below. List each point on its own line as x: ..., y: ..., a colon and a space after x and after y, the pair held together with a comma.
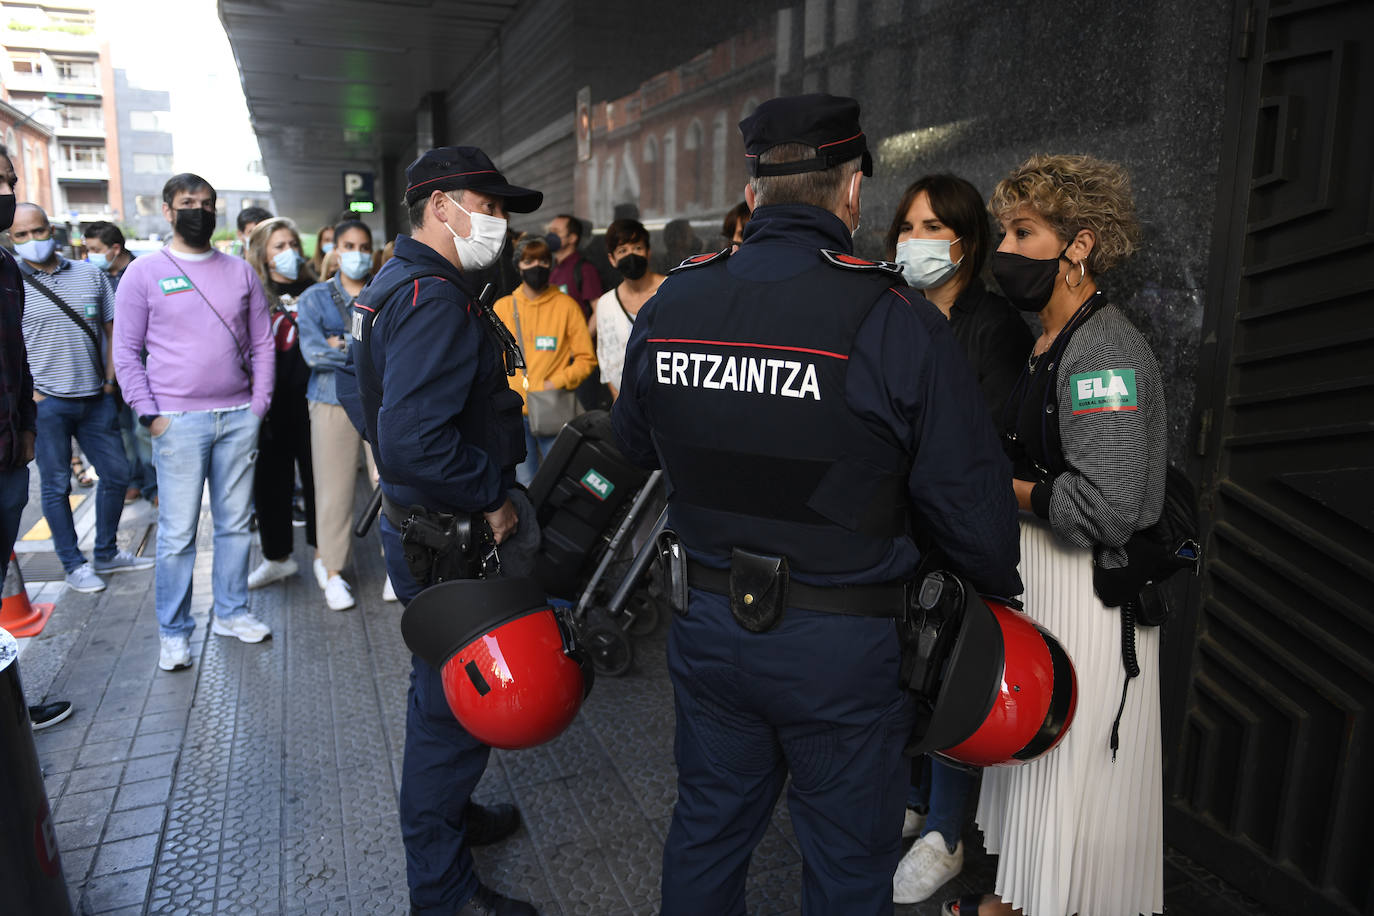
x: 811, y: 414
x: 428, y: 387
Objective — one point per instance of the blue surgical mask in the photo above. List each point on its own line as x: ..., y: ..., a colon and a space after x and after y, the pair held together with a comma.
x: 36, y: 251
x: 355, y: 264
x: 288, y: 263
x: 326, y: 247
x: 926, y: 262
x: 98, y: 259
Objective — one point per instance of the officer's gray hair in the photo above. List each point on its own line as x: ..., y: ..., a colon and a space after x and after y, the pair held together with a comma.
x: 819, y: 189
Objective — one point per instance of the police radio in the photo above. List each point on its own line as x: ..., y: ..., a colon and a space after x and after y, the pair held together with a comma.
x: 501, y: 335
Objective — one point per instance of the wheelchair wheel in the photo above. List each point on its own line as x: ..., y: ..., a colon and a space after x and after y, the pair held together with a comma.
x: 609, y: 648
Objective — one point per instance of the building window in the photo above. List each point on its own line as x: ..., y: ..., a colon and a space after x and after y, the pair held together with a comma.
x: 255, y: 168
x: 76, y: 71
x: 152, y: 163
x: 146, y: 204
x: 82, y: 117
x: 246, y: 202
x: 77, y: 157
x: 159, y: 121
x: 26, y: 63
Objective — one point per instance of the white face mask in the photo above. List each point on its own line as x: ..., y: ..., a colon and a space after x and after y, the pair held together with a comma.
x: 483, y: 246
x: 926, y: 262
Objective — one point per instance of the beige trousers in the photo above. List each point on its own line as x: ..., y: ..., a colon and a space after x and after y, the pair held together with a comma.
x: 334, y: 452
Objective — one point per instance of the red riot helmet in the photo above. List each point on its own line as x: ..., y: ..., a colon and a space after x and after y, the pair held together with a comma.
x: 994, y: 688
x: 512, y: 673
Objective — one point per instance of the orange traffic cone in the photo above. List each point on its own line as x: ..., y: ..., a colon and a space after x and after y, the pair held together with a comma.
x: 17, y: 614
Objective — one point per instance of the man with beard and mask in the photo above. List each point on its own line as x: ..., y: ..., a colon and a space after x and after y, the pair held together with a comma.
x: 68, y: 316
x: 810, y: 412
x: 202, y: 318
x: 553, y: 336
x: 426, y: 384
x: 627, y: 245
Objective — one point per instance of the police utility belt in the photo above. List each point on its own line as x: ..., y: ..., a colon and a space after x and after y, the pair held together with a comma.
x: 760, y: 588
x: 442, y: 546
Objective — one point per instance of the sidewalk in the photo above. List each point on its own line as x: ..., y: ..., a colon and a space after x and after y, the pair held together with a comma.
x: 263, y: 780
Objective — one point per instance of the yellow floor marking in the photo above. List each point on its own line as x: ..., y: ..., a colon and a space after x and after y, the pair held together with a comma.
x: 41, y: 531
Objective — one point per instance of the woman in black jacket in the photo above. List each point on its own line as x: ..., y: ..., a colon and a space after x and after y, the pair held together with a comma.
x: 940, y: 235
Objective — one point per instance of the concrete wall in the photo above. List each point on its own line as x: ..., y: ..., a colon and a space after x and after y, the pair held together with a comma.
x: 140, y: 142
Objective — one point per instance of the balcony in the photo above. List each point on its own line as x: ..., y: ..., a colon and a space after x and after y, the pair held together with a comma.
x: 83, y: 171
x: 81, y: 130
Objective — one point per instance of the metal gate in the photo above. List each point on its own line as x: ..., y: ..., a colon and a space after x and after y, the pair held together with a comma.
x: 1270, y: 774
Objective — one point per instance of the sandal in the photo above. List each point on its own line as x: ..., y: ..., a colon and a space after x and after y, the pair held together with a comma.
x: 83, y: 473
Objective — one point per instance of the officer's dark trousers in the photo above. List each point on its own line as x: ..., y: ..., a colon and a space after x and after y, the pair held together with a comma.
x: 816, y: 698
x: 441, y: 768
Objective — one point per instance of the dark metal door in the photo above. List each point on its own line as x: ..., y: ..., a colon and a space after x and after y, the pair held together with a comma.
x: 1270, y: 773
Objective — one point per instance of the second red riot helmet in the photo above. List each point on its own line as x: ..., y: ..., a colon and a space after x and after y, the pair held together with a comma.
x: 994, y: 688
x: 512, y: 674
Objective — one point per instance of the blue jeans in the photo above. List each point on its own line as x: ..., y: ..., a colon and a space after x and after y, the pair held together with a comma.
x: 536, y: 447
x: 138, y: 451
x: 441, y: 767
x: 14, y: 494
x: 945, y: 790
x: 94, y: 421
x: 218, y: 446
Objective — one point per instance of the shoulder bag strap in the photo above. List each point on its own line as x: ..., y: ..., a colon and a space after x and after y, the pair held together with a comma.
x: 71, y: 313
x: 243, y: 359
x: 341, y: 300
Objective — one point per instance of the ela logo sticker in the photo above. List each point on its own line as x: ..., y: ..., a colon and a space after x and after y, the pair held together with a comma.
x: 546, y: 343
x: 599, y: 486
x: 1110, y: 389
x: 174, y: 285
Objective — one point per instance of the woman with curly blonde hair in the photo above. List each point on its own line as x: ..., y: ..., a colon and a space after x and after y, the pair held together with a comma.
x: 1079, y: 831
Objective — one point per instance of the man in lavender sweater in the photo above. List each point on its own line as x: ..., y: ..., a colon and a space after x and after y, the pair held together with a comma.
x: 202, y: 318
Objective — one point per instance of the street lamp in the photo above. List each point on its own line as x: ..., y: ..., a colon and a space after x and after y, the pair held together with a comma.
x: 30, y: 116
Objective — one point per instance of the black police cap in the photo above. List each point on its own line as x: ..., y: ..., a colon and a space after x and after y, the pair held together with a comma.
x: 829, y: 124
x: 450, y: 168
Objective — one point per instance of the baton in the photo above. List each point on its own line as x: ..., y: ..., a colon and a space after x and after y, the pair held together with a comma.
x: 374, y: 505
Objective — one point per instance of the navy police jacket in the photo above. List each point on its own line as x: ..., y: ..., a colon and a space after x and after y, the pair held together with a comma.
x: 445, y: 423
x: 804, y: 403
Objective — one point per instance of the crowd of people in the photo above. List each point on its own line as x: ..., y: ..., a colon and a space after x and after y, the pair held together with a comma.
x: 191, y: 365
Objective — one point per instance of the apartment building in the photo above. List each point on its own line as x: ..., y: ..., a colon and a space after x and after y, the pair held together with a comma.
x: 57, y: 72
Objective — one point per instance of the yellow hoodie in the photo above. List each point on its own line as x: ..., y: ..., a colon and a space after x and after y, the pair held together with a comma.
x: 556, y: 342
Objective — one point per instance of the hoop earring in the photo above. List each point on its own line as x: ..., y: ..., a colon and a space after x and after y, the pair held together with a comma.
x: 1082, y: 275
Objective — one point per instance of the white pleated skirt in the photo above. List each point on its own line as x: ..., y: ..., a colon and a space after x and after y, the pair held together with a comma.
x: 1075, y: 832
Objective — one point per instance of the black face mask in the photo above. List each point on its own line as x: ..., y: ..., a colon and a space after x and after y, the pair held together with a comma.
x: 6, y: 211
x: 195, y: 226
x: 536, y: 278
x: 632, y: 266
x: 1026, y: 282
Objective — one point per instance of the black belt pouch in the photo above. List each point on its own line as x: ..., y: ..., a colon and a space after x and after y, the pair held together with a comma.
x: 758, y: 589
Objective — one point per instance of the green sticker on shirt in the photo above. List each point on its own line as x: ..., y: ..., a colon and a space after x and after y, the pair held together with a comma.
x: 546, y: 343
x: 174, y: 285
x: 1110, y: 389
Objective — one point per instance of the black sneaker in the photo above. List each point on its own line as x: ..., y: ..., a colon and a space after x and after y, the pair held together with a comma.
x: 486, y: 902
x: 49, y: 714
x: 483, y: 826
x: 297, y: 516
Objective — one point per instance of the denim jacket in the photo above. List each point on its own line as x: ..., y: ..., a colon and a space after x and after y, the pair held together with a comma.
x: 318, y: 318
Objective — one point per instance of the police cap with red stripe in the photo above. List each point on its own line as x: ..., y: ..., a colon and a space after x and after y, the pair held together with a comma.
x: 829, y: 124
x: 451, y: 168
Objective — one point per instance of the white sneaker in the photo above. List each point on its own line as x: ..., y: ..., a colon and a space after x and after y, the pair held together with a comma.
x: 927, y: 865
x: 83, y: 579
x: 338, y: 595
x: 388, y: 593
x: 912, y: 823
x: 176, y: 653
x: 321, y: 574
x: 244, y: 627
x: 270, y: 571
